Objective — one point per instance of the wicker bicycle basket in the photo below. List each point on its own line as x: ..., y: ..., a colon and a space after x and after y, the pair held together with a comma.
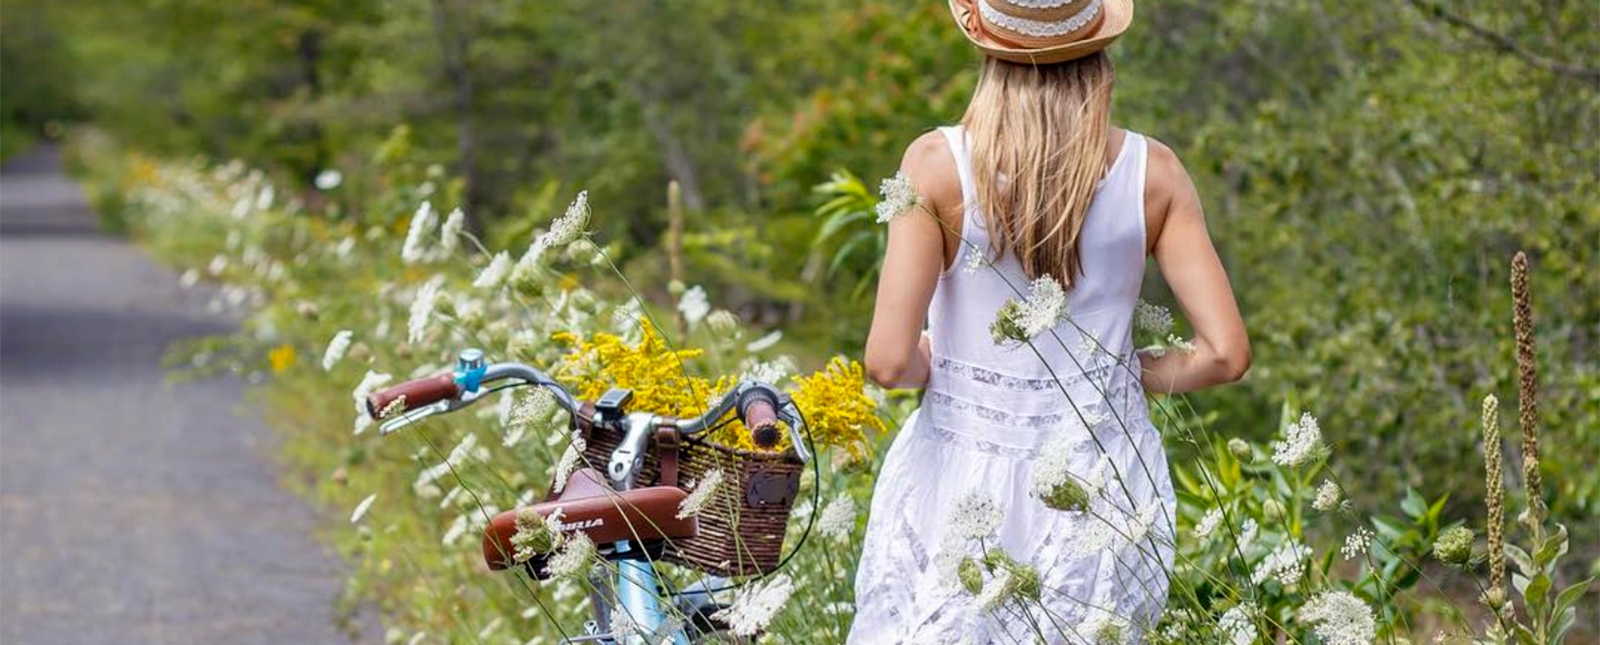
x: 742, y: 526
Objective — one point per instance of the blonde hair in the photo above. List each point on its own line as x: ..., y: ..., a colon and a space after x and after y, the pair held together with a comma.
x: 1039, y: 150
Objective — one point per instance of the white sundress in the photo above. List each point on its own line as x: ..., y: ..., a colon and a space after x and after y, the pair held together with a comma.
x: 990, y: 412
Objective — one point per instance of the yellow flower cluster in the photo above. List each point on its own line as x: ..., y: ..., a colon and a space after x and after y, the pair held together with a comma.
x: 836, y: 409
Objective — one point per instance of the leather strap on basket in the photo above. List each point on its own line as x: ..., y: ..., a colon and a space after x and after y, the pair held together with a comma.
x: 667, y: 452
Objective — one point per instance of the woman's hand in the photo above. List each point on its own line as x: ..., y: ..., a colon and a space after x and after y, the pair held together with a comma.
x: 1190, y: 265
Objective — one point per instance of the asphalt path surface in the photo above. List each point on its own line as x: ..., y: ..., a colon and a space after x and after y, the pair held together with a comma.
x: 132, y: 510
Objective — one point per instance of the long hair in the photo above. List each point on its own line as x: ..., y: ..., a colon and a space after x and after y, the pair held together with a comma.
x: 1038, y: 152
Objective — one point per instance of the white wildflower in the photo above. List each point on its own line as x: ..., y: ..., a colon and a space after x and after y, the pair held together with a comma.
x: 1152, y: 318
x: 755, y: 605
x: 764, y: 342
x: 189, y: 279
x: 701, y: 496
x: 838, y: 518
x: 1208, y: 524
x: 1247, y: 532
x: 574, y: 558
x: 1287, y: 565
x: 328, y: 179
x: 1340, y: 618
x: 1021, y: 320
x: 450, y: 233
x: 976, y: 515
x: 490, y: 628
x: 1327, y: 496
x: 345, y: 247
x: 1106, y: 628
x: 1181, y: 344
x: 997, y: 590
x: 369, y: 384
x: 494, y: 274
x: 1053, y: 482
x: 336, y: 349
x: 1238, y: 625
x: 1355, y: 544
x: 569, y: 227
x: 570, y: 458
x: 361, y: 509
x: 977, y: 259
x: 1302, y: 443
x: 536, y: 534
x: 421, y: 226
x: 626, y: 316
x: 422, y: 309
x: 723, y: 323
x: 770, y: 372
x: 694, y: 306
x: 899, y: 195
x: 219, y: 263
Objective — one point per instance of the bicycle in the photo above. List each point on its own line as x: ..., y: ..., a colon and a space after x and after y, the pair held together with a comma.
x: 630, y: 524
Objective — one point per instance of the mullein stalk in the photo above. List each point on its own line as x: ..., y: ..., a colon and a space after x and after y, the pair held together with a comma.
x: 1527, y: 392
x: 1495, y: 595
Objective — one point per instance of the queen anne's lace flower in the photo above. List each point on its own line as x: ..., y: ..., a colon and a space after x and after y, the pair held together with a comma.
x: 702, y: 494
x: 361, y: 509
x: 770, y: 372
x: 723, y: 323
x: 535, y: 536
x: 899, y: 196
x: 450, y: 233
x: 1287, y: 565
x: 1302, y: 443
x: 369, y: 383
x: 755, y: 605
x: 1340, y: 618
x: 1247, y: 532
x: 573, y: 559
x: 838, y: 518
x: 1053, y: 482
x: 1327, y: 496
x: 1106, y: 628
x: 328, y: 179
x: 975, y: 516
x: 1152, y: 318
x: 765, y: 342
x: 1021, y: 320
x: 414, y: 250
x: 694, y: 306
x: 999, y: 589
x: 336, y: 349
x: 1238, y: 625
x: 422, y: 309
x: 1208, y: 524
x: 1355, y: 544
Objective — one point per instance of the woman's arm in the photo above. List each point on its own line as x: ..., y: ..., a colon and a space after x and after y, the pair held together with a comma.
x: 1190, y: 265
x: 897, y: 353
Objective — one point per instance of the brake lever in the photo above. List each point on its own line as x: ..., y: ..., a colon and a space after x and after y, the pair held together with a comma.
x: 414, y: 415
x: 790, y: 414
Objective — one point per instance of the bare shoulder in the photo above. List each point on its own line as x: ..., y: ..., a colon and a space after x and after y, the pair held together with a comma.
x: 931, y: 166
x: 1167, y: 186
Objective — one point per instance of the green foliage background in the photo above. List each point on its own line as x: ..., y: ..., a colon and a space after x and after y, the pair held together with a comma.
x: 1368, y: 167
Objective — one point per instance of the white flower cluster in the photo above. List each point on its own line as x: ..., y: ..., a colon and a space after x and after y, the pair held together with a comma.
x: 422, y: 309
x: 1238, y: 624
x: 899, y: 196
x: 1340, y: 618
x: 1106, y: 628
x: 996, y: 590
x: 765, y: 342
x: 694, y: 306
x: 415, y: 248
x: 1356, y: 544
x: 573, y: 559
x: 755, y: 605
x: 1152, y: 318
x: 838, y: 518
x: 1287, y: 565
x: 450, y: 233
x: 369, y: 383
x: 336, y: 349
x: 1044, y: 308
x: 1302, y: 443
x: 1054, y: 483
x: 564, y: 230
x: 1328, y: 496
x: 1208, y: 524
x: 702, y: 494
x: 361, y: 509
x: 494, y: 274
x: 975, y: 516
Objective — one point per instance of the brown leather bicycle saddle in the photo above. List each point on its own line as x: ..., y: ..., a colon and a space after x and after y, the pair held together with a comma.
x: 589, y: 504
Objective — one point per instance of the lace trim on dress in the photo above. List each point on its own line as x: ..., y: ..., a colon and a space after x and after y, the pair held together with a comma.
x: 977, y: 374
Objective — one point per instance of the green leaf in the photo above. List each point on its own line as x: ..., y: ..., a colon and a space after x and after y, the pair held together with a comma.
x: 1414, y: 505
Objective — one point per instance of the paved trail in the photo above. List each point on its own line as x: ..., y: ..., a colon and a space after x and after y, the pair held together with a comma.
x: 131, y: 511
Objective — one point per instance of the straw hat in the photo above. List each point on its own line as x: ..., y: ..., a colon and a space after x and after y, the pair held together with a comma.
x: 1042, y: 31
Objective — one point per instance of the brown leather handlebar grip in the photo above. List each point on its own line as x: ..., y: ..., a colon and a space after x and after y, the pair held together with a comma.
x: 761, y: 417
x: 417, y: 393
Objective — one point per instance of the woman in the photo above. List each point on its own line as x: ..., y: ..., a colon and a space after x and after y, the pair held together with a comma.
x: 1028, y: 499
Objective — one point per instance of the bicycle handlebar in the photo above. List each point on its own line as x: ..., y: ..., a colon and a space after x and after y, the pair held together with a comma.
x: 759, y: 405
